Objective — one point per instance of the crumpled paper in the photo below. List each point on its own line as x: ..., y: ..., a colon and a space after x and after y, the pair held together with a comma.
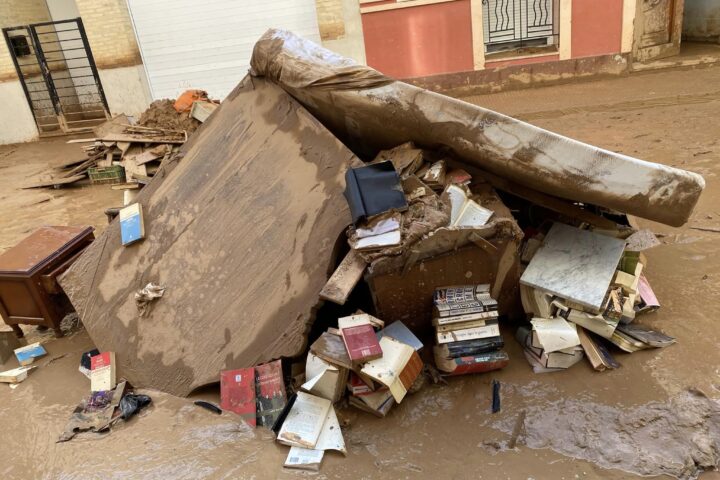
x: 145, y: 295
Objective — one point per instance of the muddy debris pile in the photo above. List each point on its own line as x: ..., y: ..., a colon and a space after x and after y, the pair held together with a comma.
x: 127, y: 154
x: 340, y: 243
x: 186, y: 113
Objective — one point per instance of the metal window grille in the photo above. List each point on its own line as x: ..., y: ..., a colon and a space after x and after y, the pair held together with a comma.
x: 512, y: 24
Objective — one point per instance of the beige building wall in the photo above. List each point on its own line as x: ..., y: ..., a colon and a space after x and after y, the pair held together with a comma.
x: 117, y: 55
x: 17, y: 123
x: 14, y: 13
x: 110, y: 33
x: 341, y: 27
x: 115, y: 50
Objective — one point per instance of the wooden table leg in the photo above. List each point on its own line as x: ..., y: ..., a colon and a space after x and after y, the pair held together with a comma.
x: 18, y: 331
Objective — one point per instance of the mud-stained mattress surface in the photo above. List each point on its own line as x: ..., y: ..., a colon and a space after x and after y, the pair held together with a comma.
x: 240, y: 233
x: 370, y: 112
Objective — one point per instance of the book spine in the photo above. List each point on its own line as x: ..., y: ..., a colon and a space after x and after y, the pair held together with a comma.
x: 449, y: 310
x: 474, y: 347
x: 469, y: 334
x: 485, y: 362
x: 270, y: 393
x: 468, y: 317
x: 460, y: 294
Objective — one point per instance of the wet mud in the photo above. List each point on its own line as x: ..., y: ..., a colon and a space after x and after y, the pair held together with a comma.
x: 645, y: 418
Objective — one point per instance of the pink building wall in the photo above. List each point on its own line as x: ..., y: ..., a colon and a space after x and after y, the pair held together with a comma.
x: 596, y: 27
x: 420, y: 41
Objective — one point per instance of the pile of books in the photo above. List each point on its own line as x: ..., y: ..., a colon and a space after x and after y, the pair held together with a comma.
x: 581, y: 303
x: 377, y: 368
x: 467, y: 331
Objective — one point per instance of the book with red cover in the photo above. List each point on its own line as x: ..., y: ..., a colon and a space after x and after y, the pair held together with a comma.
x: 361, y: 343
x: 358, y: 387
x: 479, y: 363
x: 270, y: 392
x: 102, y: 372
x: 237, y: 393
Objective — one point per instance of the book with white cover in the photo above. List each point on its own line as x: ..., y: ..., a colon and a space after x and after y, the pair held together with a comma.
x: 555, y: 334
x: 305, y: 421
x: 486, y: 331
x: 324, y: 379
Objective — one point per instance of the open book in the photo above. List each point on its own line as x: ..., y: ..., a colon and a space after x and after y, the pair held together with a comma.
x: 312, y: 423
x: 397, y: 369
x: 465, y: 212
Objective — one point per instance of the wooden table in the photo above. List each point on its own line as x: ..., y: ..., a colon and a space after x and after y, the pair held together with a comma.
x: 29, y: 292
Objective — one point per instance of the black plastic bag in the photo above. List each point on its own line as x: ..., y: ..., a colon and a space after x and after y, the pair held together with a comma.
x: 131, y: 404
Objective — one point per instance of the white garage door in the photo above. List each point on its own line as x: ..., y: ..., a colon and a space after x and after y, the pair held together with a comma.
x: 207, y: 45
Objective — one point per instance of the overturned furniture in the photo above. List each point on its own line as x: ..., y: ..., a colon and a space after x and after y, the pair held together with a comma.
x: 29, y: 292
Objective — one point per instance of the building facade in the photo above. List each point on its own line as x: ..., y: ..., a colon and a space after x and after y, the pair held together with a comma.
x: 68, y: 64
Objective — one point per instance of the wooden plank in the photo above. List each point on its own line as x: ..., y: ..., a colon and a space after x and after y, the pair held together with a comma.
x: 123, y: 146
x: 131, y: 167
x: 343, y: 280
x: 80, y: 168
x: 147, y: 156
x: 124, y: 137
x: 54, y: 182
x: 81, y: 140
x: 125, y: 186
x: 71, y: 163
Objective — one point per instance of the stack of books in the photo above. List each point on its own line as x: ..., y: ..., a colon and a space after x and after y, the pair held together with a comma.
x: 376, y: 367
x: 467, y: 331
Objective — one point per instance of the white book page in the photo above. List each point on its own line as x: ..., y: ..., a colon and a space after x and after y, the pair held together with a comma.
x: 555, y: 333
x: 379, y: 241
x: 304, y: 422
x: 473, y: 215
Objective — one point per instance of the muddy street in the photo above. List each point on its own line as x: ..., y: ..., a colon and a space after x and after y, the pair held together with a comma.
x: 656, y: 416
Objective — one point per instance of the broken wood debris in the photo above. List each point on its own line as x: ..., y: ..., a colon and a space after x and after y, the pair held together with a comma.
x: 117, y: 146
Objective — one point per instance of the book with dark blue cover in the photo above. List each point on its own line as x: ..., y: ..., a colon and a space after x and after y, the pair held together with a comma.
x: 132, y: 228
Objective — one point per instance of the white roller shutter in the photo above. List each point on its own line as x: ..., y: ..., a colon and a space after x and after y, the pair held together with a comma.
x: 207, y: 45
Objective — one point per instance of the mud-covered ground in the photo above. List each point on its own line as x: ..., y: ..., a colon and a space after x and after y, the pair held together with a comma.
x: 653, y: 416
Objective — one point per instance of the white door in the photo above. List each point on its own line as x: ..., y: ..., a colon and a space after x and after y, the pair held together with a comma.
x: 207, y: 45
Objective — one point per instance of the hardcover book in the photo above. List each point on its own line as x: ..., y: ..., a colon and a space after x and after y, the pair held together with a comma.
x: 486, y: 331
x: 331, y: 348
x: 361, y: 343
x: 466, y: 317
x: 237, y: 393
x: 472, y: 347
x: 397, y: 369
x: 102, y: 372
x: 270, y: 393
x: 27, y: 354
x: 132, y: 227
x: 482, y: 362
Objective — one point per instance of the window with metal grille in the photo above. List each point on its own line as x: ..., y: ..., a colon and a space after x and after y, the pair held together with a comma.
x: 513, y: 24
x: 20, y: 45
